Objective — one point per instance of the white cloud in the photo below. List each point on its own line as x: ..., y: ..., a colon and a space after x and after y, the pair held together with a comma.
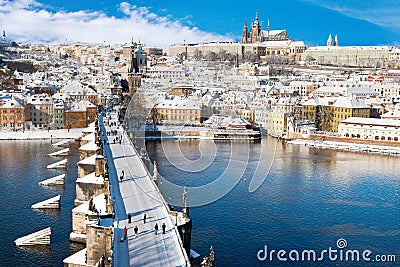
x: 380, y: 12
x: 26, y: 21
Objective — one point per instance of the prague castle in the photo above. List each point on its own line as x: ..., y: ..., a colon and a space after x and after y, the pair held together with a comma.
x: 256, y: 41
x: 356, y: 56
x: 257, y: 35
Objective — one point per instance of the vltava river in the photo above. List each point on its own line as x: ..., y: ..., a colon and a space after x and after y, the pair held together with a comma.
x: 22, y: 166
x: 310, y: 199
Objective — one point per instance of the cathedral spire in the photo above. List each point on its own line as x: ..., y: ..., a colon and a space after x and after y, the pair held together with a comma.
x: 245, y: 33
x: 329, y: 42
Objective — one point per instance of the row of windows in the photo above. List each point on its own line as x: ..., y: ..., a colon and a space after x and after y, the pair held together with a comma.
x: 180, y: 118
x: 12, y: 117
x: 12, y: 124
x: 179, y: 111
x: 12, y: 110
x: 377, y: 137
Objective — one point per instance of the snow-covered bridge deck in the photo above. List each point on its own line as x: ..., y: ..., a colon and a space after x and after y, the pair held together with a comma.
x: 138, y: 195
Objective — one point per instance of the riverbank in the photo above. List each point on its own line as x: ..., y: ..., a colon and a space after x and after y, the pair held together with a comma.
x: 347, y: 146
x: 200, y: 132
x: 41, y: 135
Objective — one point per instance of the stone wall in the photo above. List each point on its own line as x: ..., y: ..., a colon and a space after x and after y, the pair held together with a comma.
x: 85, y: 169
x: 86, y: 191
x: 98, y: 243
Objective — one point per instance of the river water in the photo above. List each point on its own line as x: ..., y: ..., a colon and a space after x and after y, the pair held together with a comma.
x: 22, y: 166
x: 310, y: 199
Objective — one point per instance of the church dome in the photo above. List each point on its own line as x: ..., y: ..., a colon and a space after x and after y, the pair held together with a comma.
x: 140, y: 52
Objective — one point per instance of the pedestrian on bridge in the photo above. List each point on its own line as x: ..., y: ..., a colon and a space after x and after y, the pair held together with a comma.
x: 129, y: 218
x: 156, y: 228
x: 163, y: 228
x: 125, y: 233
x: 136, y: 229
x: 144, y: 218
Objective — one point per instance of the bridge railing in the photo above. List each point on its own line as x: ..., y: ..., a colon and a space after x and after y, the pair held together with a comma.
x: 163, y: 202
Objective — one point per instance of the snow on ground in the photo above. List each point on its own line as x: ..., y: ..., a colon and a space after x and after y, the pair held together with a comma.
x: 31, y: 135
x: 138, y: 195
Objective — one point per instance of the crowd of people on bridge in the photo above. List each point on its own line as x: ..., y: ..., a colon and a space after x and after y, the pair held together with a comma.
x: 136, y: 228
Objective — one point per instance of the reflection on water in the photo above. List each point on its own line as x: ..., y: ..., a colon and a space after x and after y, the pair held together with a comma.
x: 310, y: 198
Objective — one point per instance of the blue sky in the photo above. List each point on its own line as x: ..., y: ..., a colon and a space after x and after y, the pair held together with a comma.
x: 161, y: 23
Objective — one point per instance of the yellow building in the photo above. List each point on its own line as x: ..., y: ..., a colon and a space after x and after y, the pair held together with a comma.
x: 13, y: 114
x: 80, y: 115
x: 247, y: 114
x: 181, y: 90
x: 178, y: 110
x: 278, y: 124
x: 328, y: 112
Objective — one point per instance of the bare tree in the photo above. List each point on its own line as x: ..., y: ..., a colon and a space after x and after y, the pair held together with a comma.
x: 212, y: 56
x: 198, y: 54
x: 154, y: 117
x: 324, y: 115
x: 6, y: 80
x: 136, y: 112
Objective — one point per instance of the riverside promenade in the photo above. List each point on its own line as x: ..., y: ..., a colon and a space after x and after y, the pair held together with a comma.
x: 41, y: 135
x: 137, y: 194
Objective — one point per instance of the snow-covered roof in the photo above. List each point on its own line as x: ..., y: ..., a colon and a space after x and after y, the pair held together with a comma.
x: 372, y: 121
x: 350, y: 102
x: 77, y: 259
x: 88, y: 161
x: 346, y: 48
x: 42, y: 99
x: 89, y: 146
x: 91, y: 179
x: 178, y: 103
x: 392, y: 114
x: 89, y: 137
x: 12, y: 103
x: 90, y: 128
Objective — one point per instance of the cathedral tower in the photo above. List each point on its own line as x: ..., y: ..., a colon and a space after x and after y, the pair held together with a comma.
x: 329, y: 41
x: 245, y: 33
x: 255, y: 32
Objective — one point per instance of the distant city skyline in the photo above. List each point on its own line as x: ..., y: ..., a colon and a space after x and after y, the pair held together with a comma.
x: 163, y: 23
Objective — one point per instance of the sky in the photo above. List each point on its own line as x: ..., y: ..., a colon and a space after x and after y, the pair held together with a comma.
x: 163, y: 23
